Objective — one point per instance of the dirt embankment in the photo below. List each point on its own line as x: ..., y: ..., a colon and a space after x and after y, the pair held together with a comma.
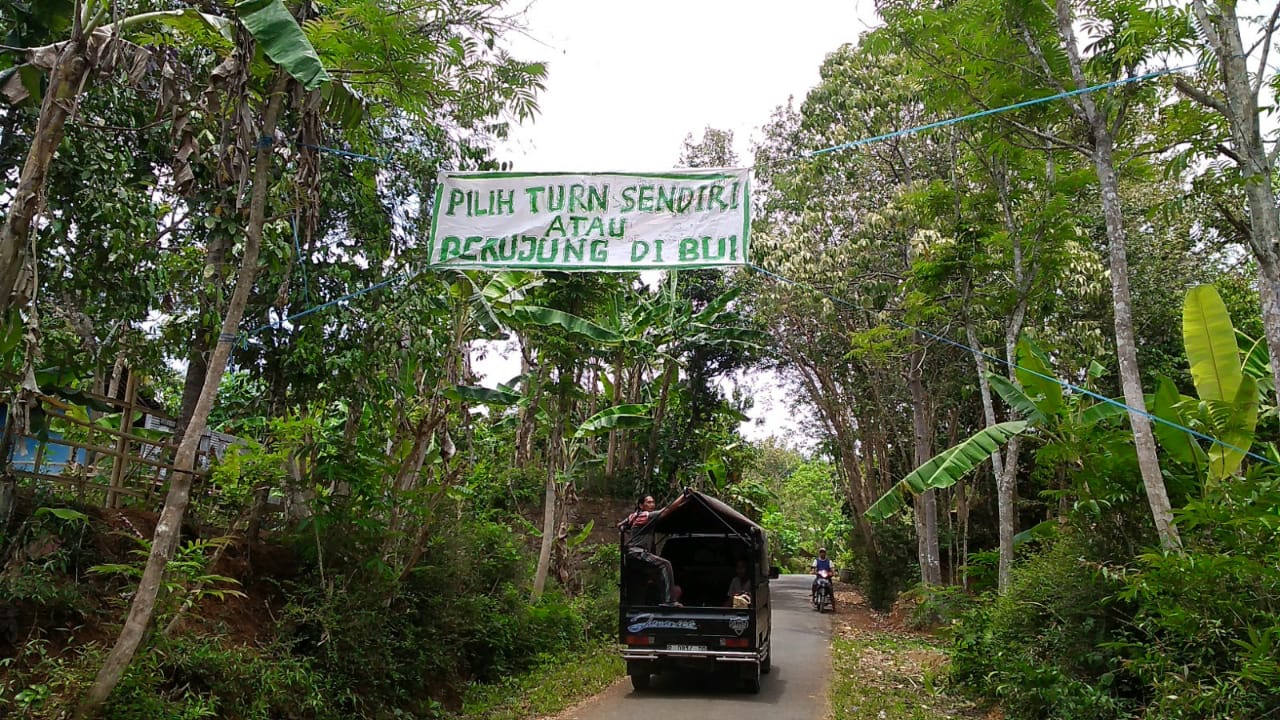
x: 79, y: 606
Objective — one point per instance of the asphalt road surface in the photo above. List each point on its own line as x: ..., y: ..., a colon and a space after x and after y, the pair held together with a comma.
x: 794, y: 689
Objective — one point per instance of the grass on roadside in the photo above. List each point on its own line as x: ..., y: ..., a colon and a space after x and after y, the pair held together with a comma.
x: 883, y: 676
x: 547, y: 689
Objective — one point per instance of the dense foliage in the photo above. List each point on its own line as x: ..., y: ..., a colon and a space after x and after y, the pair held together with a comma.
x: 220, y: 219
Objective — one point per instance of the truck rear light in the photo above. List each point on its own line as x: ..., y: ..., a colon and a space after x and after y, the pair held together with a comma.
x: 639, y: 639
x: 735, y: 642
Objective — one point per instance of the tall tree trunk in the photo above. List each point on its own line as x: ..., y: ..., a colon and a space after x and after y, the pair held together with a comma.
x: 551, y: 498
x: 611, y: 458
x: 659, y: 415
x: 926, y: 510
x: 1004, y: 504
x: 1239, y: 106
x: 527, y: 425
x: 169, y: 527
x: 59, y: 100
x: 208, y: 299
x: 1007, y: 476
x: 1103, y: 142
x: 1126, y: 348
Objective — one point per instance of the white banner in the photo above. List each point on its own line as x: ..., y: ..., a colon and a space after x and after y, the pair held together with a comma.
x: 592, y: 221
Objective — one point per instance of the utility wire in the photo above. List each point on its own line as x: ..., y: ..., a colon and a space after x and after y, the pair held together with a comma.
x: 1003, y: 361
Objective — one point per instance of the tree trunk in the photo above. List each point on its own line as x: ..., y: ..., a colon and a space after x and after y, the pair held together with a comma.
x: 659, y: 415
x: 1126, y: 346
x: 351, y: 428
x: 926, y: 511
x: 1222, y: 32
x: 528, y: 415
x: 1004, y: 499
x: 1007, y: 475
x: 59, y: 100
x: 551, y: 499
x: 169, y: 527
x: 611, y: 458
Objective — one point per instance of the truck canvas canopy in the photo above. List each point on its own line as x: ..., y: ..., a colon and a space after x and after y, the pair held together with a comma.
x: 694, y: 513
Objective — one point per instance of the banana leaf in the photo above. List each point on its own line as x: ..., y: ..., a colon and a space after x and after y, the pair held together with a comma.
x: 619, y: 417
x: 1236, y: 429
x: 1017, y: 399
x: 548, y: 317
x: 482, y: 395
x: 947, y: 467
x: 1180, y: 445
x: 282, y: 39
x: 1211, y: 346
x: 1100, y: 411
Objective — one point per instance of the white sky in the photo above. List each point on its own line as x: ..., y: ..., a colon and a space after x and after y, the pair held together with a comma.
x: 628, y: 81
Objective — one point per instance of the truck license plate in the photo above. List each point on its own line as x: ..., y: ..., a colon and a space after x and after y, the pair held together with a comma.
x: 698, y: 648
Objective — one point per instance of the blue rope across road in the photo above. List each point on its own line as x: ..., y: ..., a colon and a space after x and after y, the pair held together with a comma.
x: 346, y: 153
x: 986, y: 113
x: 331, y: 303
x: 1002, y: 361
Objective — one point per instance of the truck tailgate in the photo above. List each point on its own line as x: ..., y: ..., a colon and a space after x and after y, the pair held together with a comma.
x: 661, y: 627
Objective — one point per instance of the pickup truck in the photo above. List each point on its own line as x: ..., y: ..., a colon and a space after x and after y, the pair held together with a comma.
x: 675, y: 610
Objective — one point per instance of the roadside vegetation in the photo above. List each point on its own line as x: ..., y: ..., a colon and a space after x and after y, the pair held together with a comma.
x: 250, y: 469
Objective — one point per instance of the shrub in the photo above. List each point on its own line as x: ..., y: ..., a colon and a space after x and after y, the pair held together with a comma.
x: 196, y: 677
x: 1207, y: 621
x: 1041, y: 647
x: 1191, y: 634
x: 935, y: 605
x: 894, y: 568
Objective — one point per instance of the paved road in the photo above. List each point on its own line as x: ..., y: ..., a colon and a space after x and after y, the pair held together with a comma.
x: 794, y: 689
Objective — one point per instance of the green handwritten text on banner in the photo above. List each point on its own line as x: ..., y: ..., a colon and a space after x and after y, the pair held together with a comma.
x: 592, y: 221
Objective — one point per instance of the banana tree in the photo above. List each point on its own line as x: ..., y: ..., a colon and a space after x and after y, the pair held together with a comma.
x: 1049, y: 415
x: 712, y: 326
x: 1229, y: 390
x: 97, y: 46
x: 565, y: 450
x: 632, y: 315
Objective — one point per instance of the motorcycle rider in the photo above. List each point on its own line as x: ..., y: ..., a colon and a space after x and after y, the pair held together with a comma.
x: 820, y: 563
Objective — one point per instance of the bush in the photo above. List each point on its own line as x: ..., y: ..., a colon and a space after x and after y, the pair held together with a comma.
x: 1040, y: 649
x: 1207, y: 621
x: 1194, y: 634
x: 462, y: 616
x: 934, y: 605
x: 895, y: 565
x: 197, y: 677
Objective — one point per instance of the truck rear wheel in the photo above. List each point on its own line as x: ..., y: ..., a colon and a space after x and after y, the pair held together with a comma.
x: 767, y: 663
x: 640, y: 681
x: 751, y: 678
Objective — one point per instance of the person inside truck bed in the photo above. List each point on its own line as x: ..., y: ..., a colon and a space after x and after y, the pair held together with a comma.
x: 740, y: 585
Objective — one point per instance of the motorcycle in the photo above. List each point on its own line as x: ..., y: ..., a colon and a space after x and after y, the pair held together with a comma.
x: 824, y: 594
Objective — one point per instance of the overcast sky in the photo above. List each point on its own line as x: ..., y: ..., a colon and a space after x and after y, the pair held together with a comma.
x: 628, y: 81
